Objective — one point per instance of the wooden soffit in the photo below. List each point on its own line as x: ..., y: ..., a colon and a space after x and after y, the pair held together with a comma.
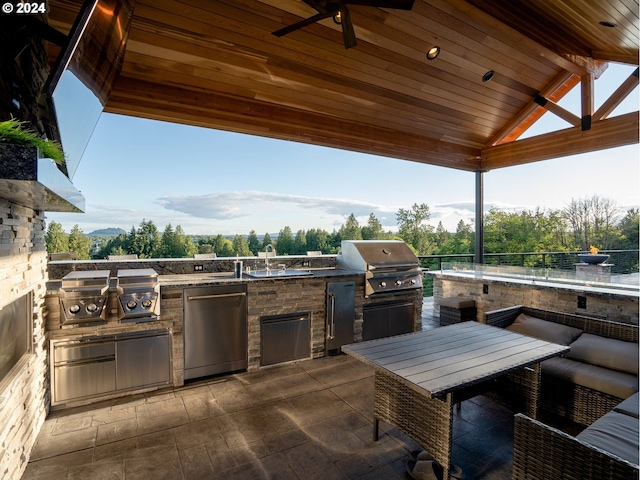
x: 216, y: 64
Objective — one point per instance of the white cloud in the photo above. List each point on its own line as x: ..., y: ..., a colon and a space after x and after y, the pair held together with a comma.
x: 230, y: 205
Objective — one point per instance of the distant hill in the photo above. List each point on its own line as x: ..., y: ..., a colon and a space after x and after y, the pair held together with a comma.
x: 108, y: 232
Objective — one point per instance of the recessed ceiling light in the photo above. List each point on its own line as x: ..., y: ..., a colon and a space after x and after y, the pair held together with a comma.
x: 608, y: 24
x: 488, y: 76
x: 433, y: 53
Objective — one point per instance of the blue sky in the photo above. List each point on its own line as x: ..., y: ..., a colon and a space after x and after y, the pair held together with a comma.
x: 214, y: 182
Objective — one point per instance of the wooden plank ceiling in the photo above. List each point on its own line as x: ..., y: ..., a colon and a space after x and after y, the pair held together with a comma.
x: 215, y: 63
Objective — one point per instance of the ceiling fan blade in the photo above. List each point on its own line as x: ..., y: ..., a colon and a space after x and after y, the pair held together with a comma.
x: 348, y: 34
x: 302, y: 23
x: 399, y: 4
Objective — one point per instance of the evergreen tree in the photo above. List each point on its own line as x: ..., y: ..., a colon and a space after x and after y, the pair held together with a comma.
x: 266, y: 241
x: 146, y: 240
x: 318, y: 240
x: 629, y: 228
x: 175, y: 244
x: 79, y: 243
x: 300, y: 243
x: 373, y: 229
x: 56, y: 239
x: 285, y: 244
x: 254, y: 243
x: 351, y: 229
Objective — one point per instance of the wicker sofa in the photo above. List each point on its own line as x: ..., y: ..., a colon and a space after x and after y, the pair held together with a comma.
x: 594, y: 385
x: 585, y: 388
x: 607, y: 449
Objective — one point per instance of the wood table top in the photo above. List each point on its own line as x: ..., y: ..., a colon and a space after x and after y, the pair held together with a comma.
x: 453, y: 357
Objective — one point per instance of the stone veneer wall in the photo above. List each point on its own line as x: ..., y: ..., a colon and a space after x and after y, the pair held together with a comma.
x: 501, y: 296
x: 24, y: 397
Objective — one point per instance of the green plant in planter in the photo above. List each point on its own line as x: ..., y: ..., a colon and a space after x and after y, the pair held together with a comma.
x: 14, y: 131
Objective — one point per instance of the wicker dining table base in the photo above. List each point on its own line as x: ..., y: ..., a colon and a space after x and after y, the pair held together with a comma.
x: 429, y: 420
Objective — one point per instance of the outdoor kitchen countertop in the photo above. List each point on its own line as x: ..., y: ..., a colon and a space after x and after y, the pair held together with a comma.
x: 228, y: 277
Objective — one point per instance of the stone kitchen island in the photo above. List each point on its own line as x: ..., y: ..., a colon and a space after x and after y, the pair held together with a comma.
x: 265, y: 298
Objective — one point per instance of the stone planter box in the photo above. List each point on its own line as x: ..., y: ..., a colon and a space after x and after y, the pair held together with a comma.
x: 36, y: 182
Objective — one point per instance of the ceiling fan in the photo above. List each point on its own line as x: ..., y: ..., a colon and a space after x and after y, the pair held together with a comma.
x: 340, y: 13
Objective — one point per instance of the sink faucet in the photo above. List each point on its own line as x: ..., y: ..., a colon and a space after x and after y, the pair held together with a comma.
x: 266, y: 256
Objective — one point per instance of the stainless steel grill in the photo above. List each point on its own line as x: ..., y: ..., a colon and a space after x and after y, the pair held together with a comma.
x: 389, y: 265
x: 138, y: 295
x: 83, y: 297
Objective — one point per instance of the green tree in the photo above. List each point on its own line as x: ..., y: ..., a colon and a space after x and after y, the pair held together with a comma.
x: 285, y: 243
x: 146, y: 240
x: 254, y: 243
x: 56, y: 239
x: 413, y: 228
x: 373, y: 229
x: 463, y: 241
x: 318, y: 240
x: 351, y: 229
x: 441, y: 236
x: 629, y: 228
x: 266, y: 240
x: 79, y: 243
x: 300, y: 243
x: 223, y: 247
x: 175, y: 244
x: 241, y: 246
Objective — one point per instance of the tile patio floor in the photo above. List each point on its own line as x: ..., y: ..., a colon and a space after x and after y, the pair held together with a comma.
x: 303, y: 421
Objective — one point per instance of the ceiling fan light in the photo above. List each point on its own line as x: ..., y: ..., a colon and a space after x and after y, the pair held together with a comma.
x: 433, y: 53
x: 337, y: 19
x: 488, y: 76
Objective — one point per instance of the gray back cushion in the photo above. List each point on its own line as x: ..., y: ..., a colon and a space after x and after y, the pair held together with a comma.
x: 605, y: 352
x: 544, y: 330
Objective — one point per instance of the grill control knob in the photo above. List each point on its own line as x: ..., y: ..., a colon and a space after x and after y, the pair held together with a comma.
x: 413, y: 281
x: 92, y: 307
x: 131, y: 304
x: 383, y: 284
x: 146, y: 303
x: 398, y: 282
x: 74, y: 308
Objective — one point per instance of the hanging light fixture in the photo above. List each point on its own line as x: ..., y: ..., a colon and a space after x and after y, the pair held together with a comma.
x: 337, y: 19
x: 433, y: 53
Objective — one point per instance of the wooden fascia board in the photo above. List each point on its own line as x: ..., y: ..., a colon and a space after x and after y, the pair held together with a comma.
x: 609, y: 133
x: 243, y: 115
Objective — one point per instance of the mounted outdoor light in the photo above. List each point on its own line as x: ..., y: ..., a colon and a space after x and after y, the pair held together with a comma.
x: 337, y: 19
x: 433, y: 53
x: 488, y: 76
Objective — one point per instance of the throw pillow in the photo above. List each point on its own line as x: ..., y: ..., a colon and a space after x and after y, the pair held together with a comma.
x: 544, y: 330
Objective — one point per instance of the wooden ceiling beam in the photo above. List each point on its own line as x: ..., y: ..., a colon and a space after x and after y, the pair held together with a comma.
x: 623, y: 91
x: 527, y: 116
x: 610, y: 133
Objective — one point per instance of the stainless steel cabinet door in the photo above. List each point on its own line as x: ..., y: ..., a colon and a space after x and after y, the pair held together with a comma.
x: 340, y: 314
x: 143, y: 361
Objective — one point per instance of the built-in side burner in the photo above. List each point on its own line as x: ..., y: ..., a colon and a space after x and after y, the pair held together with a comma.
x: 83, y: 296
x: 138, y: 295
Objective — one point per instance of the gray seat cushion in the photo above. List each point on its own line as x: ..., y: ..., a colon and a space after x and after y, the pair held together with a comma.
x: 616, y: 433
x: 616, y: 383
x: 629, y: 406
x: 544, y: 330
x: 457, y: 302
x: 606, y: 352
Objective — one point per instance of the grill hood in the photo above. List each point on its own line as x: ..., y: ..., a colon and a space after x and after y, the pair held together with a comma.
x: 390, y: 267
x: 370, y: 255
